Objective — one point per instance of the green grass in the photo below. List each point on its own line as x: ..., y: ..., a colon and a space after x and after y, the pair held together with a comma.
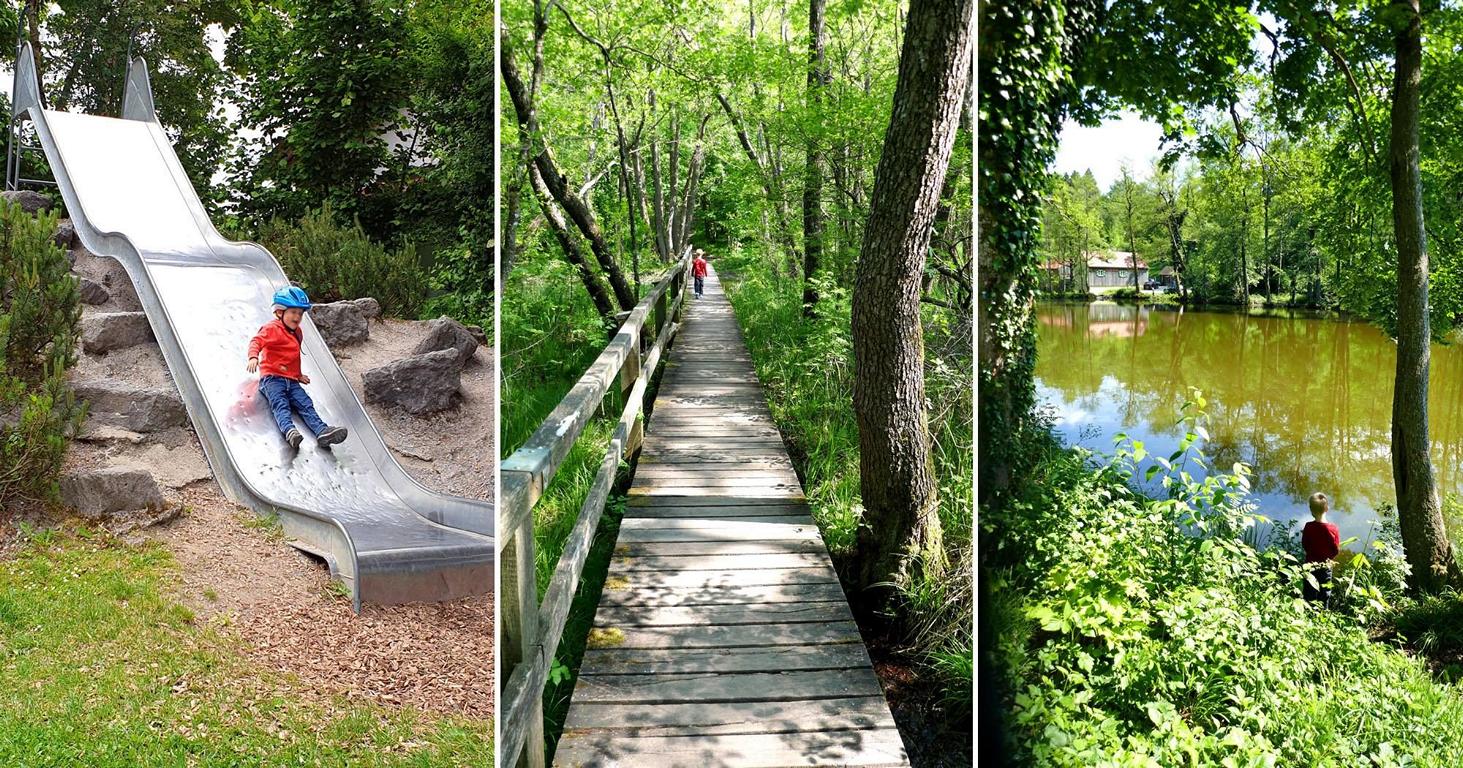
x: 806, y: 368
x: 550, y: 336
x: 99, y: 666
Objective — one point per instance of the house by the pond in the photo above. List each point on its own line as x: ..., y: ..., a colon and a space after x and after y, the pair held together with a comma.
x: 1114, y: 269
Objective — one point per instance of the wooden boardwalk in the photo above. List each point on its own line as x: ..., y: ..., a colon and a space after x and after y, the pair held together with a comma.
x: 723, y: 637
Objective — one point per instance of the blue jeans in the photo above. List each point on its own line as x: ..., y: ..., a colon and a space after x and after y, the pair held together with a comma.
x: 284, y: 394
x: 699, y: 284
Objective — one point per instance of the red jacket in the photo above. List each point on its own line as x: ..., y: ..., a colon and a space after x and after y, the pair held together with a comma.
x: 1321, y: 541
x: 278, y: 350
x: 698, y: 268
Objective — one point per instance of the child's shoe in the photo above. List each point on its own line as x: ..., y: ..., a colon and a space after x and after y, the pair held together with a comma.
x: 293, y: 437
x: 331, y: 435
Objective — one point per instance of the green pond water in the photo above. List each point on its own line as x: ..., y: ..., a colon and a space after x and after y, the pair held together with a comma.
x: 1305, y: 400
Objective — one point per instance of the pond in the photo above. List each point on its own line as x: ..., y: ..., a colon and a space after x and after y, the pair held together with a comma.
x: 1304, y: 399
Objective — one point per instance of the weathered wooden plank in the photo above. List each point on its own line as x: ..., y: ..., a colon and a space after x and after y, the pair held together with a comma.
x: 777, y: 482
x: 785, y: 492
x: 871, y: 748
x: 770, y: 456
x: 703, y: 502
x: 754, y: 524
x: 701, y: 511
x: 628, y: 562
x: 692, y: 548
x: 725, y: 615
x: 744, y: 533
x: 730, y: 717
x: 736, y: 636
x: 619, y: 594
x: 651, y: 469
x: 679, y: 661
x: 713, y: 581
x: 750, y: 686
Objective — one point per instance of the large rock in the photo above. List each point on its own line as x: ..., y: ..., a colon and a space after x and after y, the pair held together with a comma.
x: 95, y: 493
x: 369, y: 307
x: 479, y: 334
x: 28, y: 200
x: 341, y: 323
x: 419, y: 385
x: 138, y: 409
x: 446, y: 333
x: 93, y: 293
x: 106, y: 331
x: 65, y: 234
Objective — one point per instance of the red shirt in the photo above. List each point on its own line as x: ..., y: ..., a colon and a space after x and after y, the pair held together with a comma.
x: 278, y: 350
x: 1321, y: 541
x: 698, y: 268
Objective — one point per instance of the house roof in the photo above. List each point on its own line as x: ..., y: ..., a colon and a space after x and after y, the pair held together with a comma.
x: 1113, y: 260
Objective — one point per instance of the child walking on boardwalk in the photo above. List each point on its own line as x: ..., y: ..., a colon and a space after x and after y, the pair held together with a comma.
x: 275, y: 353
x: 1322, y: 543
x: 698, y: 270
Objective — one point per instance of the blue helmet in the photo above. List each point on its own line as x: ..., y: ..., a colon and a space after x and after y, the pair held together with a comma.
x: 291, y: 297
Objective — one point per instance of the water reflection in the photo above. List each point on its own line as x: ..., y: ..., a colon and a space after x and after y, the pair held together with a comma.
x: 1306, y: 400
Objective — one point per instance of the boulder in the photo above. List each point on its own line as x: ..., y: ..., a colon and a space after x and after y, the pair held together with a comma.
x: 137, y: 409
x: 29, y: 201
x: 341, y: 323
x: 105, y: 331
x: 94, y: 493
x: 446, y: 333
x: 419, y: 385
x: 65, y: 234
x: 369, y: 307
x: 93, y: 293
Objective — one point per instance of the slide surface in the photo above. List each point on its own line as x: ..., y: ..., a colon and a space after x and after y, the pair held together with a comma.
x: 386, y: 536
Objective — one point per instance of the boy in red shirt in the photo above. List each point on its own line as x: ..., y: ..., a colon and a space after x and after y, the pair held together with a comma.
x: 1322, y: 543
x: 275, y: 353
x: 698, y: 270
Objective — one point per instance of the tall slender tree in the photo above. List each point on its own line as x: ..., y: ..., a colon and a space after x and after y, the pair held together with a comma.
x: 1424, y: 536
x: 901, y: 530
x: 818, y: 79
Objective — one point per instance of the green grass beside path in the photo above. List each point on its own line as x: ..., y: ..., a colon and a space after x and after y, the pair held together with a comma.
x: 100, y: 667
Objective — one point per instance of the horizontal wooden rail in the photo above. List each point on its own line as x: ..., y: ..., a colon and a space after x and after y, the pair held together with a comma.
x: 531, y: 630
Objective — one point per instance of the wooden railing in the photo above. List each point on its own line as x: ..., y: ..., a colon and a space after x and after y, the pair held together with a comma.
x: 530, y: 630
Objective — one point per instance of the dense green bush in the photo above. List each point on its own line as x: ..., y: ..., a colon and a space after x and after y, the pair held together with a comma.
x: 461, y: 282
x: 39, y: 313
x: 1133, y: 631
x: 333, y: 262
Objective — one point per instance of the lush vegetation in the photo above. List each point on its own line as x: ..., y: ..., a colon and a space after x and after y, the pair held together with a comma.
x: 1135, y: 631
x: 333, y: 262
x: 40, y: 310
x: 99, y: 664
x: 1166, y: 631
x: 632, y: 130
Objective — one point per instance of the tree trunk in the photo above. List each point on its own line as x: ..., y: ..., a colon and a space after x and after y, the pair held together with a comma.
x: 565, y: 237
x: 900, y: 537
x: 555, y: 181
x: 1424, y: 537
x: 515, y: 211
x: 813, y: 173
x: 33, y: 34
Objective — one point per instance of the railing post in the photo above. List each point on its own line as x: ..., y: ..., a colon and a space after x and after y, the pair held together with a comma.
x: 521, y: 635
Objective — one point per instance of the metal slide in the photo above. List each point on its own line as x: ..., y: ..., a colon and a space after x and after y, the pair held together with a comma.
x: 387, y: 537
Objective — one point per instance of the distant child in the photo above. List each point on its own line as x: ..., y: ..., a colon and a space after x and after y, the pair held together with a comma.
x: 698, y: 270
x: 1322, y: 543
x: 275, y: 353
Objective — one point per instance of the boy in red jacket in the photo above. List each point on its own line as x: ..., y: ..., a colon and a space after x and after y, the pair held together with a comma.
x: 698, y: 270
x: 275, y: 353
x: 1322, y: 543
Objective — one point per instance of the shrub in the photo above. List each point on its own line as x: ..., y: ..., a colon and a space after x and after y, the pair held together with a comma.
x: 39, y: 313
x: 333, y: 262
x: 1147, y: 632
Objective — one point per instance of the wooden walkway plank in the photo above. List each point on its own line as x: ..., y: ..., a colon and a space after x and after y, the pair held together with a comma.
x: 723, y: 637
